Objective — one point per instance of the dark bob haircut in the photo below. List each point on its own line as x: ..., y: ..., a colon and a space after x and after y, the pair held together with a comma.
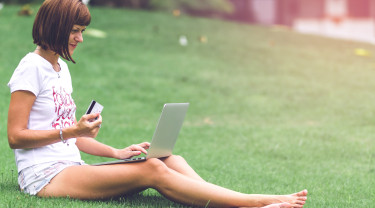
x: 54, y: 22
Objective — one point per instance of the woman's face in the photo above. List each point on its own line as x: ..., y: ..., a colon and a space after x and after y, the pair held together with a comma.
x: 75, y: 37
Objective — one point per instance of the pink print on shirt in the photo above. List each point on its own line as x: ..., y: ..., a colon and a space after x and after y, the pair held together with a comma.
x: 65, y: 108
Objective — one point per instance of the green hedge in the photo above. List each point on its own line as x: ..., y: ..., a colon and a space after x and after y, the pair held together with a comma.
x: 201, y: 7
x: 21, y: 1
x: 195, y: 7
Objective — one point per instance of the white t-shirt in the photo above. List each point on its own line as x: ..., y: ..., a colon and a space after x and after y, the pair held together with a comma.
x: 53, y: 107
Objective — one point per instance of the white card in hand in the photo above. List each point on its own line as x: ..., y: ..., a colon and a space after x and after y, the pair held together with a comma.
x: 94, y: 107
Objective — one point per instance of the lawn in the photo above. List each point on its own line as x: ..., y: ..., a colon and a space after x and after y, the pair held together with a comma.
x: 271, y: 111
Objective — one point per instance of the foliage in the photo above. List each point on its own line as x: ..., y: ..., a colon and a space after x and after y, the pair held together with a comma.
x: 194, y: 7
x: 21, y: 1
x: 144, y: 4
x: 205, y: 7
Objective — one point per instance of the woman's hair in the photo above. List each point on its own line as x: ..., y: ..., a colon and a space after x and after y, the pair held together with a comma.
x: 54, y: 22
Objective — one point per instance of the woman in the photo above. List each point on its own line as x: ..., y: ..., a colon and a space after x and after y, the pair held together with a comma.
x: 47, y: 139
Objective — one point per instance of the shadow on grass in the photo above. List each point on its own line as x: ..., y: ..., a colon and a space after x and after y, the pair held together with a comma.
x: 146, y: 198
x: 14, y: 197
x: 143, y: 199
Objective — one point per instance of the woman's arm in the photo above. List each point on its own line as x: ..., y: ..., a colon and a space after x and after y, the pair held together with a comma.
x: 20, y: 137
x: 93, y: 147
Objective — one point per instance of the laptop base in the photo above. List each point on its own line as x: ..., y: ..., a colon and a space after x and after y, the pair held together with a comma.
x: 132, y: 160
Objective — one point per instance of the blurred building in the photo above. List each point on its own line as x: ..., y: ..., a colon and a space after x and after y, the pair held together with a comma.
x: 348, y: 19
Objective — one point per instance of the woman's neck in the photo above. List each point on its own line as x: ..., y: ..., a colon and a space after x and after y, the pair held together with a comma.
x: 50, y: 56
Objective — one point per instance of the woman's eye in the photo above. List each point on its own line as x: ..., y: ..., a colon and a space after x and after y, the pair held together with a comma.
x: 76, y: 31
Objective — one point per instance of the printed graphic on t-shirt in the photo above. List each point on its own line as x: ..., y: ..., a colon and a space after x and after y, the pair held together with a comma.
x: 64, y: 108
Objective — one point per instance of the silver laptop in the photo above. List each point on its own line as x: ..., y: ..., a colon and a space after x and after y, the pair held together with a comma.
x: 165, y: 135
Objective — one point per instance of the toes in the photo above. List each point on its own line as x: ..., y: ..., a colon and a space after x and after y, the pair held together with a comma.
x: 285, y: 205
x: 301, y: 193
x: 302, y: 198
x: 301, y: 202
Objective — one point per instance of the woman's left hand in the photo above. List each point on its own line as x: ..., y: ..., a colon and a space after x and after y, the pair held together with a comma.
x: 132, y: 150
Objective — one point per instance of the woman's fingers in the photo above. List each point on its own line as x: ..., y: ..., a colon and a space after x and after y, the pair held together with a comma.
x: 145, y: 145
x: 138, y: 147
x: 92, y: 118
x: 89, y: 125
x: 97, y: 122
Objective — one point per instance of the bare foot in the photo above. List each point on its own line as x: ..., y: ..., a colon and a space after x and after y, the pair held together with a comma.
x: 297, y: 200
x: 280, y: 205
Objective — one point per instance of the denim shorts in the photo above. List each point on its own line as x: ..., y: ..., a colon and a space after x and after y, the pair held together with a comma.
x: 33, y: 179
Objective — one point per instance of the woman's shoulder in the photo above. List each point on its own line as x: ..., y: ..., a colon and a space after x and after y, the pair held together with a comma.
x: 34, y: 59
x: 27, y: 63
x: 27, y: 75
x: 31, y: 67
x: 32, y: 62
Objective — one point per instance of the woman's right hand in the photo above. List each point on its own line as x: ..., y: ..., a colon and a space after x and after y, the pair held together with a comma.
x: 88, y: 125
x: 21, y: 137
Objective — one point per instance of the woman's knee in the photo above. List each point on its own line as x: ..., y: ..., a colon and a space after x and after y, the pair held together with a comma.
x: 174, y: 159
x: 156, y: 166
x: 169, y: 159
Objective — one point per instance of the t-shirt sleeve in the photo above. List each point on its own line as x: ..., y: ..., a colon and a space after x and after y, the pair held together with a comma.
x: 25, y: 77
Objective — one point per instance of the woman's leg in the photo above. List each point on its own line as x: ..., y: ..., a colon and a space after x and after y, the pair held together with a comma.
x: 99, y: 182
x: 179, y: 164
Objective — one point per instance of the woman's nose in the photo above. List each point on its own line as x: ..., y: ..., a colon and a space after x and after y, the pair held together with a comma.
x: 79, y: 37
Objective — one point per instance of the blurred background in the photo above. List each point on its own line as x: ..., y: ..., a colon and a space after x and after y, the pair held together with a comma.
x: 346, y: 19
x: 299, y: 108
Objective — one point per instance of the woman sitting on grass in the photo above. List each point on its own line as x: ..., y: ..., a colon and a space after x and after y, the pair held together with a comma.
x: 47, y: 139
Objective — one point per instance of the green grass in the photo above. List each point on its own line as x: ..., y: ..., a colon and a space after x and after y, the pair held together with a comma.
x: 272, y: 111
